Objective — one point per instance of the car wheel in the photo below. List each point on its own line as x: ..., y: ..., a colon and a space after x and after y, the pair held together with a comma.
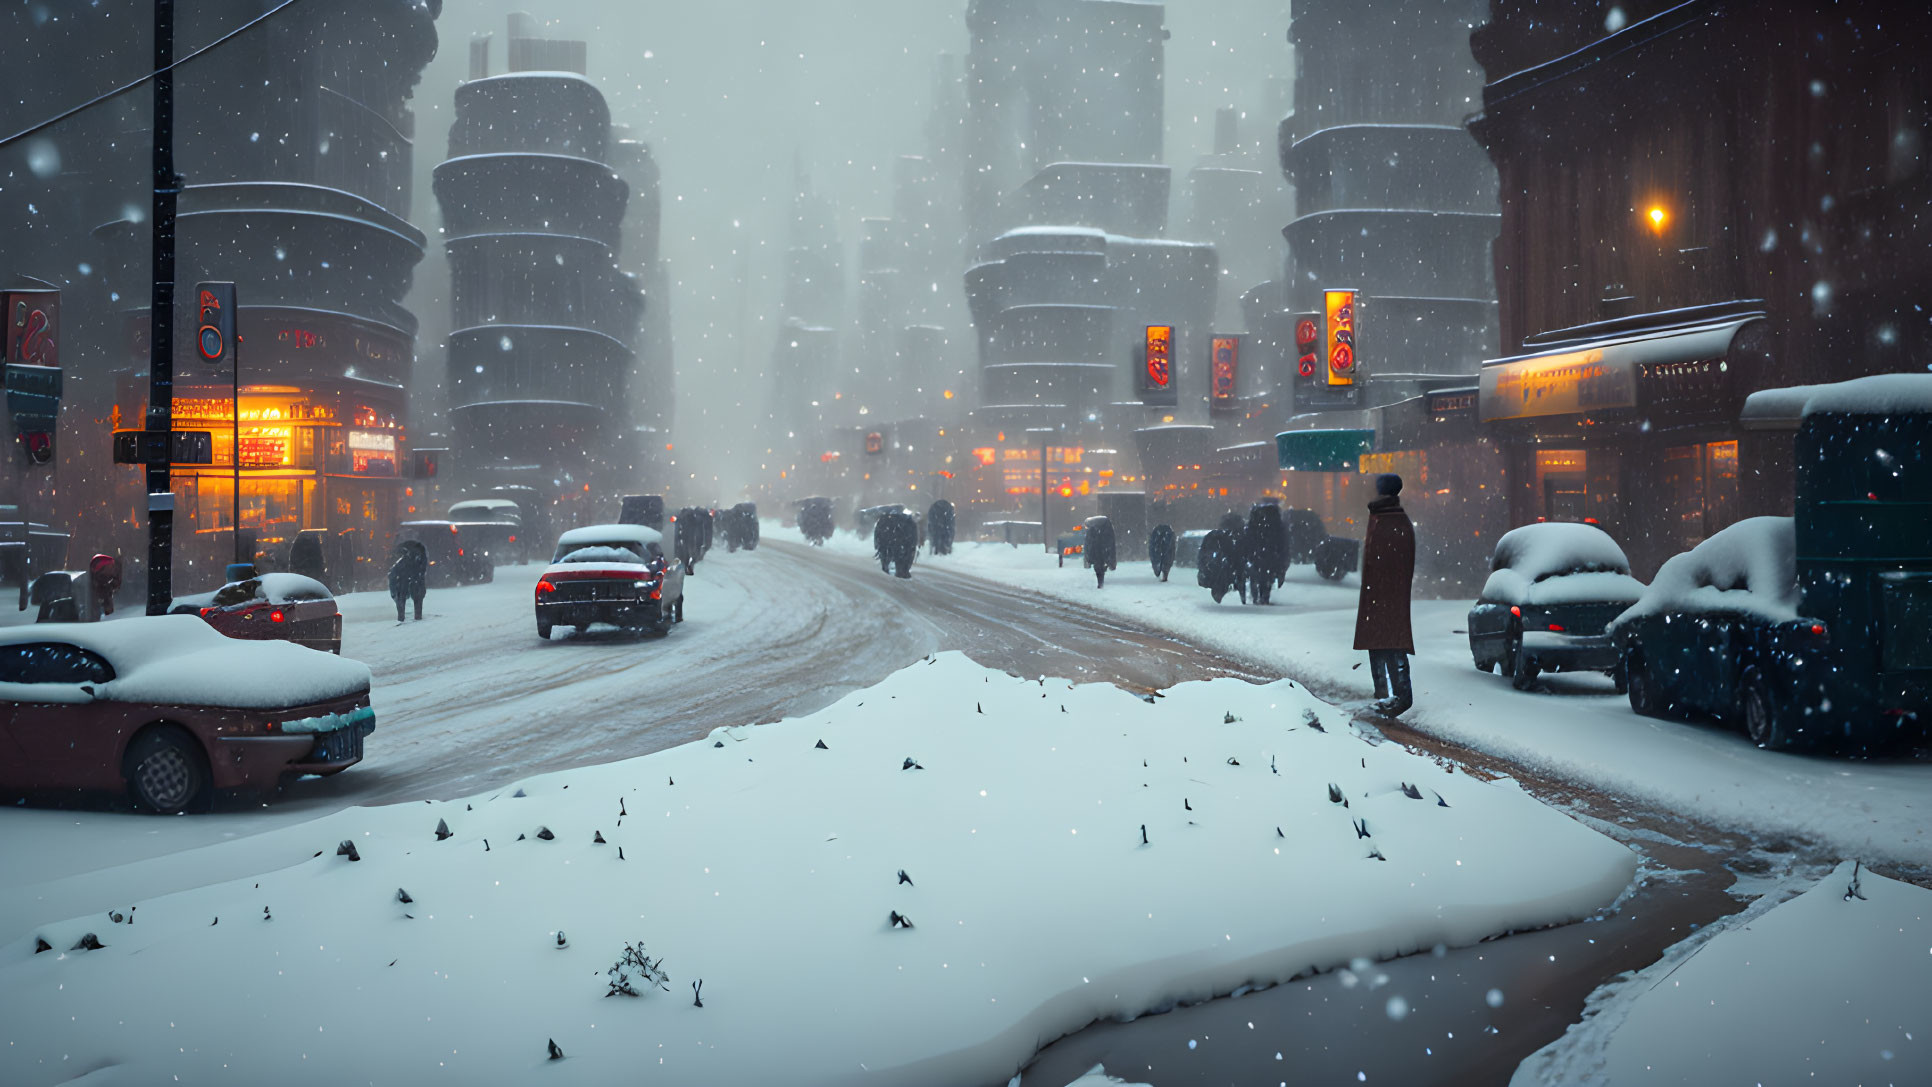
x: 1526, y: 669
x: 167, y: 772
x: 1512, y: 648
x: 1641, y: 686
x: 489, y: 573
x: 543, y: 629
x: 1762, y: 722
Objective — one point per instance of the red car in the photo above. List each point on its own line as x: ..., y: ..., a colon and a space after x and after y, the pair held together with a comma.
x: 169, y: 710
x: 278, y: 607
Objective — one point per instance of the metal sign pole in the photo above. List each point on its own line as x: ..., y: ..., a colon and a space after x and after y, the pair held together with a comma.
x: 160, y: 416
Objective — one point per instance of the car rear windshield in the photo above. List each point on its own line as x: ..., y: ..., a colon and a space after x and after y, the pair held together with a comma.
x: 605, y: 552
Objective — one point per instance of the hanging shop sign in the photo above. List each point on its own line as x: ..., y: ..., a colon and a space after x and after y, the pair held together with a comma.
x: 1567, y: 383
x: 1339, y: 309
x: 1159, y: 373
x: 1224, y: 366
x: 1308, y: 346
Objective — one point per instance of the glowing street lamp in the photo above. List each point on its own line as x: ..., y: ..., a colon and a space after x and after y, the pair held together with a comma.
x: 1658, y: 217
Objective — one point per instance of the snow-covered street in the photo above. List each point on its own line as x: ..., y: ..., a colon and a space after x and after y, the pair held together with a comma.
x: 1571, y: 726
x: 1063, y: 853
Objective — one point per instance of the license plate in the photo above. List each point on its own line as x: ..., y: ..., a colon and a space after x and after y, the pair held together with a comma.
x: 339, y: 745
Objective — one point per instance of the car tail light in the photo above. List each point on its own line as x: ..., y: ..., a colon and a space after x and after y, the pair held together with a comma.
x: 544, y: 586
x: 459, y: 552
x: 1516, y: 611
x: 452, y: 530
x: 277, y: 616
x: 205, y: 611
x: 513, y: 539
x: 1556, y: 628
x: 1589, y: 520
x: 1818, y: 628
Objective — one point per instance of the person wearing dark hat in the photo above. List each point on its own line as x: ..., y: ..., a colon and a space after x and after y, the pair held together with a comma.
x: 1382, y: 617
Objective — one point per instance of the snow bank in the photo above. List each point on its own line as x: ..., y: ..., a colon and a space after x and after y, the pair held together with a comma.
x: 1748, y: 569
x: 1559, y: 563
x: 1828, y: 987
x: 1883, y: 394
x: 181, y: 660
x: 770, y: 868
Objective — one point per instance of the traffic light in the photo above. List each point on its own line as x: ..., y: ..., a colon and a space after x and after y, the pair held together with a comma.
x: 215, y: 324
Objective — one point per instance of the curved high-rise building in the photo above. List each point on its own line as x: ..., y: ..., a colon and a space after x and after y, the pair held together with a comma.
x: 298, y: 172
x: 541, y: 349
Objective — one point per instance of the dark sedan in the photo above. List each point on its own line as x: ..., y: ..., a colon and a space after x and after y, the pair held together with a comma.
x: 1553, y: 588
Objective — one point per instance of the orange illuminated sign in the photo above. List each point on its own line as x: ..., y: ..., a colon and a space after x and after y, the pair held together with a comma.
x: 1160, y: 356
x: 984, y: 457
x: 1339, y: 308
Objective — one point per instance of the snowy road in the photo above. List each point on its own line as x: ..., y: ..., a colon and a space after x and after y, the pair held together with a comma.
x: 469, y: 698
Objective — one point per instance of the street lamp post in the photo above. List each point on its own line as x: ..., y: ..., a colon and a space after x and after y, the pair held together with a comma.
x: 1046, y: 538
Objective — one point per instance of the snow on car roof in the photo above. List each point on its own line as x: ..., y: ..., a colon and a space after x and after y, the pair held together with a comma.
x: 278, y: 588
x: 1750, y: 568
x: 181, y: 660
x: 604, y: 534
x: 485, y: 504
x: 1558, y: 547
x: 1881, y: 394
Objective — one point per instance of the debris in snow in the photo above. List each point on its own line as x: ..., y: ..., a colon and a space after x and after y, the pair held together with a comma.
x: 466, y: 807
x: 820, y: 746
x: 1440, y: 802
x: 561, y: 942
x: 1851, y: 889
x: 519, y: 793
x: 634, y: 968
x: 116, y: 916
x: 597, y: 838
x: 1143, y: 834
x: 1361, y: 828
x: 1229, y: 718
x: 215, y: 922
x: 348, y: 849
x: 669, y: 780
x: 1271, y: 765
x: 1376, y: 854
x: 1232, y: 761
x: 403, y: 896
x: 1312, y: 719
x: 486, y: 845
x: 719, y: 743
x: 522, y: 837
x: 977, y: 708
x: 1279, y: 834
x: 41, y: 945
x: 900, y: 920
x: 1186, y: 805
x: 903, y: 878
x: 621, y: 813
x: 266, y: 916
x: 620, y: 852
x: 697, y: 993
x: 442, y: 830
x: 544, y: 833
x: 911, y: 765
x: 1335, y: 794
x: 1411, y: 791
x: 130, y: 914
x: 556, y: 1054
x: 89, y: 942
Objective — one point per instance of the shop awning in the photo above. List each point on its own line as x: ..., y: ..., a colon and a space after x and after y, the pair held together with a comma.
x: 1596, y: 375
x: 1323, y: 450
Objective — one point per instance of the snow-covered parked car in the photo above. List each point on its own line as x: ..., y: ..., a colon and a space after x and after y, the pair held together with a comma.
x: 615, y: 574
x: 1553, y: 588
x: 493, y: 526
x: 170, y: 710
x: 271, y: 607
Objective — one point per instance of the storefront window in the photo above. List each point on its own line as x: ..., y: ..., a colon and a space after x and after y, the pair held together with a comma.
x: 1561, y: 482
x: 1700, y: 485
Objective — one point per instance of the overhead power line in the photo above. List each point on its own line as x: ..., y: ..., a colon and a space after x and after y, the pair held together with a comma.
x: 126, y: 87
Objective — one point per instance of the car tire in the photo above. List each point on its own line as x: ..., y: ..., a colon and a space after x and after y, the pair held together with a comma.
x: 1512, y: 648
x: 167, y: 772
x: 1523, y: 675
x: 1762, y: 722
x: 1641, y: 686
x: 543, y: 629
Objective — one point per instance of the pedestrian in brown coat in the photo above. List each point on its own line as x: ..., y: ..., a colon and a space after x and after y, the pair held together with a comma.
x: 1382, y: 617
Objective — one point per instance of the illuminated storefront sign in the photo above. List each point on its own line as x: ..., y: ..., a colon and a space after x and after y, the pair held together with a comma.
x: 1160, y: 356
x: 1339, y: 307
x: 1224, y: 367
x: 372, y: 442
x: 1308, y: 344
x: 1562, y: 384
x: 265, y: 446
